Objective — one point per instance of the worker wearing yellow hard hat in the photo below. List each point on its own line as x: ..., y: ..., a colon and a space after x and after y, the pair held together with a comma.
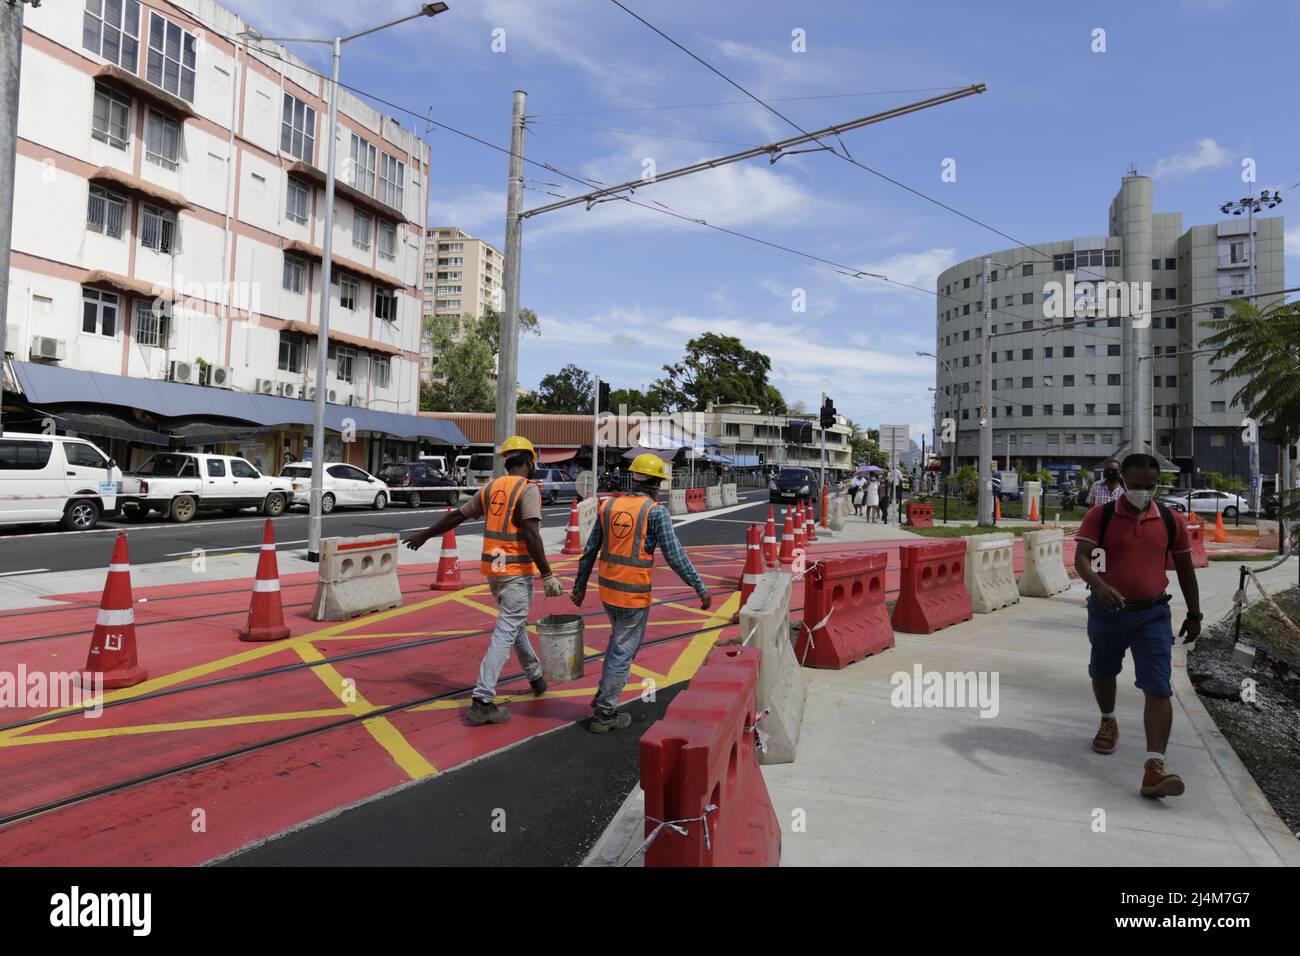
x: 623, y: 542
x: 511, y: 509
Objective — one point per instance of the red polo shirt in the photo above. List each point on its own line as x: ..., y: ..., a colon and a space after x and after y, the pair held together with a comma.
x: 1135, y: 548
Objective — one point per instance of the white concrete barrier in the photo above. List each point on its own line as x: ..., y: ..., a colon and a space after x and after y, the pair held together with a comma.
x: 729, y: 496
x: 677, y: 501
x: 357, y: 576
x: 838, y: 504
x: 588, y: 510
x: 713, y: 497
x: 782, y: 686
x: 1044, y: 573
x: 990, y: 578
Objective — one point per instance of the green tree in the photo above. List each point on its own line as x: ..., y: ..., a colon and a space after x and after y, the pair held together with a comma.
x: 466, y: 350
x: 1220, y: 482
x: 866, y: 446
x: 570, y: 391
x: 719, y: 369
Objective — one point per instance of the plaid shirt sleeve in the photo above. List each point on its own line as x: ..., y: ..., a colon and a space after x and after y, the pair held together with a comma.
x: 661, y: 534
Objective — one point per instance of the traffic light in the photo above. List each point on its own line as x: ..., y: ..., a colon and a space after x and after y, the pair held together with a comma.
x: 828, y: 413
x: 602, y: 403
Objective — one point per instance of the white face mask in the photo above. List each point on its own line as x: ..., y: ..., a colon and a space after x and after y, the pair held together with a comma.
x: 1139, y: 499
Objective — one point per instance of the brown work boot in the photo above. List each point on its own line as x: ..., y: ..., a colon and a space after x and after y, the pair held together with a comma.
x: 1157, y: 783
x: 1107, y: 736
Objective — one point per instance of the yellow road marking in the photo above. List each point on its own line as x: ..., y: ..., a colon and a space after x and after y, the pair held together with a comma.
x: 166, y: 728
x: 688, y: 662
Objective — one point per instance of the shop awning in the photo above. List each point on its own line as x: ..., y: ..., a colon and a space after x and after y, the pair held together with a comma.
x: 101, y: 423
x: 551, y: 456
x: 347, y: 191
x: 133, y: 85
x: 51, y: 384
x: 202, y: 431
x: 117, y: 179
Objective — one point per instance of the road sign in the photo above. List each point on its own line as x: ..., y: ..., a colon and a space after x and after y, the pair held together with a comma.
x: 895, y: 442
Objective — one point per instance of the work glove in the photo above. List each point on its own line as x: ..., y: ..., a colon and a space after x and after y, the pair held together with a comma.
x: 552, y: 585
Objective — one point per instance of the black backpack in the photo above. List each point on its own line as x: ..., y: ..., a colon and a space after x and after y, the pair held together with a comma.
x: 1108, y: 512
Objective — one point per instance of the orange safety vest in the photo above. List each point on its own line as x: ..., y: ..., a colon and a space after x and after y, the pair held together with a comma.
x: 625, y: 565
x: 503, y: 540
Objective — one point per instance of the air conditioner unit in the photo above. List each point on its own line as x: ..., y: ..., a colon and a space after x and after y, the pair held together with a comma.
x: 184, y: 372
x: 266, y: 386
x: 44, y: 347
x: 221, y: 376
x: 308, y: 392
x: 337, y: 397
x: 285, y: 389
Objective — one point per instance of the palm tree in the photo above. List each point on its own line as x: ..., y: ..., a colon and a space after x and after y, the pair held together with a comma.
x: 1262, y: 347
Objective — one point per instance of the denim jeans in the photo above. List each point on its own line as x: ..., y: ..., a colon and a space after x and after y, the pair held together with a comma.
x: 514, y: 596
x: 627, y: 631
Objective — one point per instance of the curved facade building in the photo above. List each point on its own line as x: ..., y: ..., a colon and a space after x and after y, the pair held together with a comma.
x: 1074, y: 321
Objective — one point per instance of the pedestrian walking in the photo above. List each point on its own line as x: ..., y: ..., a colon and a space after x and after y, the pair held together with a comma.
x: 511, y: 507
x: 1128, y: 609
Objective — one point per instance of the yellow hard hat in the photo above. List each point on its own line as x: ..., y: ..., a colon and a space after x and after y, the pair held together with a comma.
x: 516, y: 443
x: 650, y: 465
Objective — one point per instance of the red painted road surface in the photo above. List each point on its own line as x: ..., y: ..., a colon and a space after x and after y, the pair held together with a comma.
x: 187, y: 635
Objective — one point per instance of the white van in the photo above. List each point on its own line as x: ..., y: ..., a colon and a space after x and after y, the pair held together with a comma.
x: 52, y: 478
x: 437, y: 461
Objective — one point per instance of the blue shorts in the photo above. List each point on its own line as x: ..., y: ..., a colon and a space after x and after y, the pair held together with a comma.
x: 1147, y: 634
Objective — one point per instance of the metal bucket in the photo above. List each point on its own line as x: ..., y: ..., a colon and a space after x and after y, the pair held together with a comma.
x: 559, y: 647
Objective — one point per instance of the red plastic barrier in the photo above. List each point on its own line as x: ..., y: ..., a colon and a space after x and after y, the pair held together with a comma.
x: 1195, y: 531
x: 701, y: 754
x: 695, y: 500
x: 920, y: 515
x: 846, y: 597
x: 933, y: 591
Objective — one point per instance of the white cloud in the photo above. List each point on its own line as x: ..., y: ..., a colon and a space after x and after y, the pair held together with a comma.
x: 479, y: 211
x: 913, y: 268
x: 1207, y: 155
x: 1291, y: 241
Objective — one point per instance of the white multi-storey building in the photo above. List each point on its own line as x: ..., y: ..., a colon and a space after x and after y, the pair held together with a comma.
x: 462, y: 276
x: 169, y: 223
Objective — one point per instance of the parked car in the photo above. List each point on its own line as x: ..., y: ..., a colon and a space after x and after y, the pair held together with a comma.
x: 793, y: 484
x: 342, y: 486
x: 180, y: 484
x: 437, y: 461
x: 411, y: 482
x: 52, y: 478
x: 478, y: 470
x: 1010, y: 495
x: 554, y: 484
x: 1209, y: 501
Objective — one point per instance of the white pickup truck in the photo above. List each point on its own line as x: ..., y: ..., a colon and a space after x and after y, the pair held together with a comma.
x: 180, y: 484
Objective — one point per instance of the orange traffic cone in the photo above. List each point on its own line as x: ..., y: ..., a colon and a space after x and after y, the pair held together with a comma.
x: 1033, y: 508
x: 572, y: 539
x: 787, y: 540
x: 112, y: 646
x: 826, y: 509
x: 1220, y: 535
x: 769, y: 540
x: 810, y: 524
x: 753, y: 564
x: 997, y: 509
x: 800, y: 524
x: 448, y: 565
x: 265, y: 613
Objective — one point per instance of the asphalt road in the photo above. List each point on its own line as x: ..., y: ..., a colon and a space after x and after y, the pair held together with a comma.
x: 37, y: 549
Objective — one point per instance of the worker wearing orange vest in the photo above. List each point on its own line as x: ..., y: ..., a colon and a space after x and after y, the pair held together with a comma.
x: 511, y: 507
x: 624, y: 540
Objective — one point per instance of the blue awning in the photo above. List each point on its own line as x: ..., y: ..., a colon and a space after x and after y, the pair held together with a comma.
x: 51, y: 384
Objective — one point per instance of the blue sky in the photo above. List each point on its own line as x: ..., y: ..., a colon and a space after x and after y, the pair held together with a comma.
x: 1185, y: 90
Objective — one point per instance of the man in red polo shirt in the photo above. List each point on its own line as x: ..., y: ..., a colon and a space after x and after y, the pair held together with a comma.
x: 1128, y: 609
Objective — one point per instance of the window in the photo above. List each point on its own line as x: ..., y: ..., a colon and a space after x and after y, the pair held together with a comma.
x: 105, y: 212
x: 158, y: 231
x: 1027, y: 269
x: 1067, y: 409
x: 171, y: 57
x: 25, y: 455
x: 1090, y: 409
x: 291, y: 352
x: 1026, y: 326
x: 1063, y: 262
x: 1047, y: 409
x: 363, y: 165
x: 1007, y: 382
x: 162, y: 141
x: 1112, y: 379
x: 296, y: 204
x: 381, y: 371
x: 84, y: 456
x: 295, y: 274
x: 965, y: 309
x: 1027, y: 382
x: 1171, y: 381
x: 152, y: 324
x: 111, y: 121
x: 392, y: 179
x: 1048, y: 381
x: 1112, y: 408
x: 1112, y: 350
x: 1026, y: 298
x: 965, y: 414
x: 1047, y: 352
x: 1026, y: 410
x: 1217, y: 312
x: 1026, y: 354
x: 216, y: 468
x: 242, y: 469
x: 965, y: 283
x: 1090, y: 351
x: 1171, y: 263
x: 965, y: 361
x: 361, y: 230
x: 1090, y: 380
x: 343, y: 359
x: 1155, y: 295
x: 994, y: 305
x: 386, y: 305
x: 349, y: 292
x: 1218, y: 407
x: 1067, y: 380
x: 298, y: 129
x: 1155, y: 265
x: 387, y: 239
x: 99, y: 312
x: 111, y: 29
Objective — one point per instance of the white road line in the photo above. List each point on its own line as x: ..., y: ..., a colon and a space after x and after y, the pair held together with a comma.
x: 10, y: 574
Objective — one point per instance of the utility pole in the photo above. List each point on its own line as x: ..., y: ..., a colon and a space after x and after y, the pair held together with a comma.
x: 11, y: 55
x: 508, y: 358
x: 986, y: 405
x: 595, y: 439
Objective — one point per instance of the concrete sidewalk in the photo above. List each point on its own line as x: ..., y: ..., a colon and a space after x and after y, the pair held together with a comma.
x: 881, y: 784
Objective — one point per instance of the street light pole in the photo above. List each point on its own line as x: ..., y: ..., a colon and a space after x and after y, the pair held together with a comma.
x: 327, y: 261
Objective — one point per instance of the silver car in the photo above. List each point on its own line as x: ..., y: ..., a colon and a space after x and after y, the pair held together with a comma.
x: 554, y: 485
x: 1209, y: 502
